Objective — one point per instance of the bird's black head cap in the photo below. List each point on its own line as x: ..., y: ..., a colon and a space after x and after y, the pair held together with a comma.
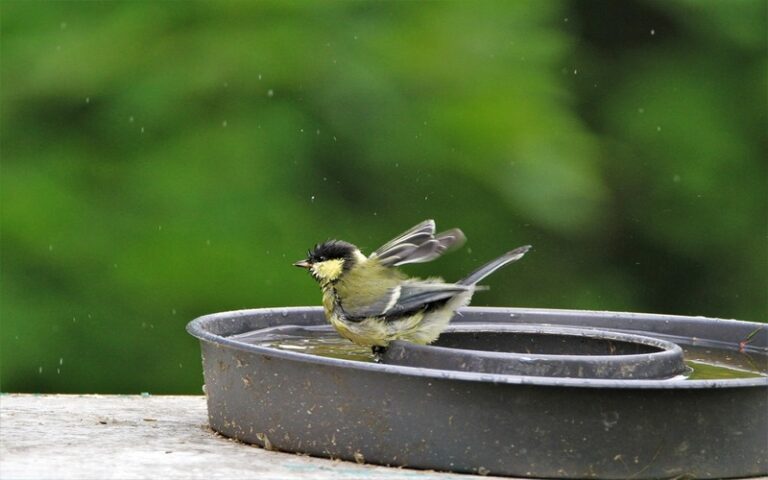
x: 333, y: 249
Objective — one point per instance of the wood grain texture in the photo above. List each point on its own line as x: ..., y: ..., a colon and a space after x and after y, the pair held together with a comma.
x: 131, y: 436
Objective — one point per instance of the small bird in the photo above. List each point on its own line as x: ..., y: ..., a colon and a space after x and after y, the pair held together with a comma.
x: 371, y: 303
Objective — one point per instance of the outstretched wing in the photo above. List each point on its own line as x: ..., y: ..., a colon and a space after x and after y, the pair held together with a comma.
x: 415, y: 235
x: 405, y: 298
x: 418, y: 245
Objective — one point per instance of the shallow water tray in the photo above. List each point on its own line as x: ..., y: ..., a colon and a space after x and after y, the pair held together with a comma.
x: 543, y: 352
x: 492, y: 423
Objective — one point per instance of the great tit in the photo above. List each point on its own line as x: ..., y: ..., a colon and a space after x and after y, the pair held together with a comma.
x: 371, y: 303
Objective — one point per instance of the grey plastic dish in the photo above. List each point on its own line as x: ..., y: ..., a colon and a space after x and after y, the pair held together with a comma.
x: 543, y: 352
x: 555, y: 427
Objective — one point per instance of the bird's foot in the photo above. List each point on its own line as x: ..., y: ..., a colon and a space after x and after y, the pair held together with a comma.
x: 378, y: 353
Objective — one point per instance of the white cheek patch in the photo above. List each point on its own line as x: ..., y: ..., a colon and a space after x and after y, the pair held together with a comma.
x: 329, y: 269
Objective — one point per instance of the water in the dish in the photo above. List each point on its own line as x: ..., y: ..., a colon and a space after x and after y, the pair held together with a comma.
x: 714, y: 363
x: 705, y: 363
x: 322, y: 341
x: 329, y: 345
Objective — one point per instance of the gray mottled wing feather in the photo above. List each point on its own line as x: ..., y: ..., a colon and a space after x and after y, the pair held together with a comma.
x: 415, y: 235
x: 406, y: 297
x: 415, y: 296
x: 418, y: 245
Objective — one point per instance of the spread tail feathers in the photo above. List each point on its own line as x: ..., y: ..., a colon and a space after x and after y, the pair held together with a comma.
x: 494, y: 265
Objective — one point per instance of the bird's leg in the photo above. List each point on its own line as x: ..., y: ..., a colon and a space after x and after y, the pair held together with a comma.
x: 378, y: 352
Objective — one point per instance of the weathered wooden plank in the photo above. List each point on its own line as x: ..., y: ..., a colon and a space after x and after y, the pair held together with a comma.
x: 127, y: 437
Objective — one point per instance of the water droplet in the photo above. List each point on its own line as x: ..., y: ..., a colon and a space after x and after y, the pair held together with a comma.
x: 224, y: 123
x: 676, y: 178
x: 565, y: 19
x: 173, y: 311
x: 259, y: 76
x: 658, y: 128
x: 87, y: 99
x: 61, y: 360
x: 317, y: 131
x: 270, y: 93
x: 142, y: 129
x: 63, y: 25
x: 39, y: 370
x: 575, y: 71
x: 653, y: 32
x: 641, y: 110
x: 312, y: 198
x: 159, y: 227
x: 130, y: 119
x: 58, y: 371
x: 208, y: 242
x: 145, y: 394
x: 334, y: 138
x: 50, y: 248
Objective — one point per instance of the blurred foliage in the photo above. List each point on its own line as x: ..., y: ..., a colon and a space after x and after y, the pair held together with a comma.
x: 161, y: 161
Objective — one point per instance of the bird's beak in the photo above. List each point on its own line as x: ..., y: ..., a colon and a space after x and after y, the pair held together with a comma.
x: 302, y: 264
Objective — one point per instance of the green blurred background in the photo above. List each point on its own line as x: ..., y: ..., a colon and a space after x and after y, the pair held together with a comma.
x: 164, y: 160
